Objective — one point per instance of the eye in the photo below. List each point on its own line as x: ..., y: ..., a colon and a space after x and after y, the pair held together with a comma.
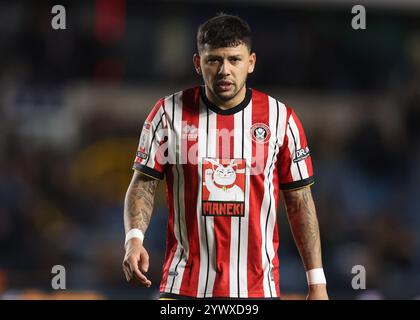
x: 234, y: 59
x: 212, y: 60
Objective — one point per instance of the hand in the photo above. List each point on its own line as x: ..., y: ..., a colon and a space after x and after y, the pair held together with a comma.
x: 136, y: 262
x: 317, y: 292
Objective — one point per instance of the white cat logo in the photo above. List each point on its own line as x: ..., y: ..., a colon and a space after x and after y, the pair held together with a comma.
x: 220, y: 181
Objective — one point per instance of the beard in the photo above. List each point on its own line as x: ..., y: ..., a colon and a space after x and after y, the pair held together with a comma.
x: 226, y: 96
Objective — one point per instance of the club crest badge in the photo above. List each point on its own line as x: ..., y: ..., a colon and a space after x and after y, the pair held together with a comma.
x: 260, y: 133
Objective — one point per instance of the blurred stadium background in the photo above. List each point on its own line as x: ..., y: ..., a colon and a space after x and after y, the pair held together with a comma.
x: 72, y: 103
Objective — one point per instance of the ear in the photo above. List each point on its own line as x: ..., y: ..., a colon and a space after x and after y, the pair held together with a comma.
x: 196, y: 63
x: 252, y: 61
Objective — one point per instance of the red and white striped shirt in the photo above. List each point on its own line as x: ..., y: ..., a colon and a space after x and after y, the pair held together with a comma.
x: 224, y: 170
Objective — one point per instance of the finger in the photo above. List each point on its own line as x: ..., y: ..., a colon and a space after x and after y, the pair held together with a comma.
x: 127, y: 270
x: 127, y: 277
x: 131, y: 266
x: 141, y: 277
x: 126, y: 273
x: 144, y: 262
x: 138, y: 274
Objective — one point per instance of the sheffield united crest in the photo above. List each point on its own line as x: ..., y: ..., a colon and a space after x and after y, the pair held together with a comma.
x: 260, y: 133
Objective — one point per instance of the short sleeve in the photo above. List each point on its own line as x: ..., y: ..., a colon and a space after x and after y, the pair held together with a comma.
x: 150, y: 156
x: 294, y: 160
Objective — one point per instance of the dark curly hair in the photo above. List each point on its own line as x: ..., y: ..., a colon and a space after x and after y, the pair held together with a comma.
x: 224, y: 30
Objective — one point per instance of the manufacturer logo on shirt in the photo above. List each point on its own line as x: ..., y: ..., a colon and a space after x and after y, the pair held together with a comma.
x: 260, y: 132
x: 301, y: 154
x: 223, y: 187
x: 189, y: 132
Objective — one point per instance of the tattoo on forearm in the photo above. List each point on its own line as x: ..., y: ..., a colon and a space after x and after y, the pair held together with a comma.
x: 304, y: 224
x: 139, y: 200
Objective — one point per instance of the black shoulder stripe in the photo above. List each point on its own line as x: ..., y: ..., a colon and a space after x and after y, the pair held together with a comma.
x: 148, y: 171
x: 297, y: 184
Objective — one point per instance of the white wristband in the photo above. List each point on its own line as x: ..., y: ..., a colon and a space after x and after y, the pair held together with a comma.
x: 316, y: 276
x: 134, y: 233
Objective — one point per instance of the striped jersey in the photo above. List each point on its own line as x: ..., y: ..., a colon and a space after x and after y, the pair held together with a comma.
x: 224, y: 170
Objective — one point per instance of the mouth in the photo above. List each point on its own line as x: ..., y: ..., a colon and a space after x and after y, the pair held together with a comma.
x: 224, y: 85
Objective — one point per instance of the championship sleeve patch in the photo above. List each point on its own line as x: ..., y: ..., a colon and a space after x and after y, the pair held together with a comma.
x: 142, y: 155
x: 301, y: 154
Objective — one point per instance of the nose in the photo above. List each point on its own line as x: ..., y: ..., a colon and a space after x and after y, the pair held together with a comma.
x: 224, y: 68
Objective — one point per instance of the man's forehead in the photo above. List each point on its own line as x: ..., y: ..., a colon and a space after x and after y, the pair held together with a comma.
x: 225, y: 51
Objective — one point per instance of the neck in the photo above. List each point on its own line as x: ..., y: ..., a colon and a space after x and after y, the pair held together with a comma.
x: 226, y: 104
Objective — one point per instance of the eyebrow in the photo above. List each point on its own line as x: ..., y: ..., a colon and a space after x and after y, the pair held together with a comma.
x: 210, y: 56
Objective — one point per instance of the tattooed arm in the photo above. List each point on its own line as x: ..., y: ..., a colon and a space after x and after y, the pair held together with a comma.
x: 304, y: 224
x: 138, y: 208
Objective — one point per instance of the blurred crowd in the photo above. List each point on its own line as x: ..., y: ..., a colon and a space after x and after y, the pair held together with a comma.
x: 72, y: 104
